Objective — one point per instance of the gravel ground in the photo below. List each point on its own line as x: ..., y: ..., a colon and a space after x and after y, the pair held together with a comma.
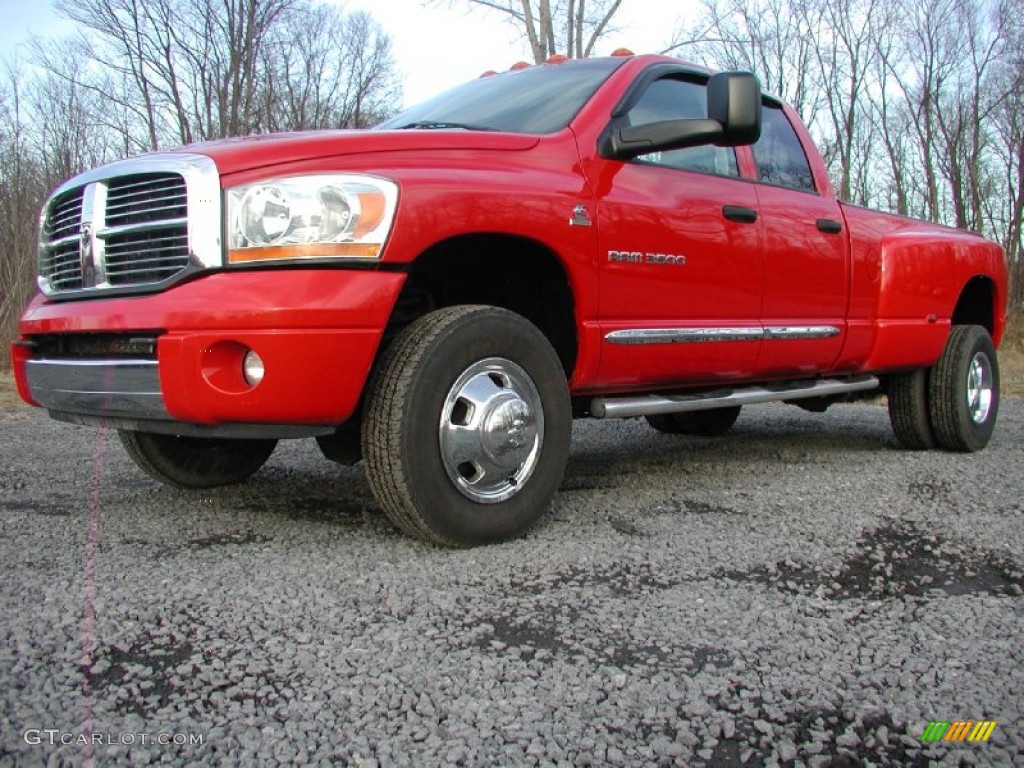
x: 799, y: 592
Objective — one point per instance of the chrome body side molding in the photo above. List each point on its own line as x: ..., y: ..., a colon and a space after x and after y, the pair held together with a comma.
x: 683, y: 335
x: 705, y: 335
x: 801, y: 332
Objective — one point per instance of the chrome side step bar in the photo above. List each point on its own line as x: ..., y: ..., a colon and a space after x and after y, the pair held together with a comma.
x: 646, y: 405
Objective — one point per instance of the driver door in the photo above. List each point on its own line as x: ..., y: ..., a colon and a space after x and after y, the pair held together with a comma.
x: 681, y: 272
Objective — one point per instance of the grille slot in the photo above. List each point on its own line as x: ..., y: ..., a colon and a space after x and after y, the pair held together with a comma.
x: 102, y: 346
x: 65, y: 216
x: 61, y: 266
x: 145, y: 198
x: 146, y: 256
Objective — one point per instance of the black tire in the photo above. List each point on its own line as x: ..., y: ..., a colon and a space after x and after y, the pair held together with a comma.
x: 963, y: 390
x: 713, y: 423
x: 195, y: 462
x: 909, y: 410
x: 421, y: 419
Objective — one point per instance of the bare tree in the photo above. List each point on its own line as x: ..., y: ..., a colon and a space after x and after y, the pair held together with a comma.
x: 190, y: 70
x: 1005, y: 206
x: 925, y: 63
x: 335, y: 73
x: 775, y: 39
x: 944, y: 65
x: 48, y: 132
x: 22, y: 184
x: 127, y: 49
x: 966, y: 120
x: 892, y: 122
x: 72, y: 130
x: 845, y: 52
x: 568, y: 27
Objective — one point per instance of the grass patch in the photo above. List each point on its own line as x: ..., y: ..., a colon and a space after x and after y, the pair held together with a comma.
x: 8, y: 391
x: 1011, y: 358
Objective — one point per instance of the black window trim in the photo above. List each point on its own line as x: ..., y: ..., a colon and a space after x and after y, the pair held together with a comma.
x: 639, y: 86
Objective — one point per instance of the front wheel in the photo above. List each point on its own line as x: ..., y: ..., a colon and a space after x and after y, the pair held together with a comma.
x: 467, y: 426
x: 964, y: 390
x: 195, y: 462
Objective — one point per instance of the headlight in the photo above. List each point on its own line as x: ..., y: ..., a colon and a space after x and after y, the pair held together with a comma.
x: 310, y: 217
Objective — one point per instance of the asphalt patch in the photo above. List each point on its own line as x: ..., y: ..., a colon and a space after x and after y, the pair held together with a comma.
x: 895, y: 560
x: 140, y: 673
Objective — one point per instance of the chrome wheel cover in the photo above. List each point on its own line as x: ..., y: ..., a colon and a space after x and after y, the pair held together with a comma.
x: 979, y: 388
x: 491, y: 430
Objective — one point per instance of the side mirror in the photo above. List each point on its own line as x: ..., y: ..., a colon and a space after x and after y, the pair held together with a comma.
x: 734, y: 119
x: 734, y: 101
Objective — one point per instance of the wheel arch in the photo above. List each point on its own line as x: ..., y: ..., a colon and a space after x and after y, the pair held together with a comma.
x: 904, y: 340
x: 514, y: 272
x: 976, y: 305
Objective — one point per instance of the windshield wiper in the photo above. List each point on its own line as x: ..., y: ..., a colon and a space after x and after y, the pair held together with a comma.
x: 438, y: 125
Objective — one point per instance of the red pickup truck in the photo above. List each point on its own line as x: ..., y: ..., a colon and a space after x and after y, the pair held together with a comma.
x: 442, y: 295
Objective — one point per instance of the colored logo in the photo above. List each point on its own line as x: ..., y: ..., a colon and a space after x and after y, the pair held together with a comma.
x: 959, y: 730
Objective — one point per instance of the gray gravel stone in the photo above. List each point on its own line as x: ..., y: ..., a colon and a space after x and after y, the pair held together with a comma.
x: 787, y: 750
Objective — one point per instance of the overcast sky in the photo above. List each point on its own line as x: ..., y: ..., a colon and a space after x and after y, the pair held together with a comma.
x: 437, y: 46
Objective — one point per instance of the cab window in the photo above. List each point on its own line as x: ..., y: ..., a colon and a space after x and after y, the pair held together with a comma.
x: 679, y: 99
x: 778, y: 153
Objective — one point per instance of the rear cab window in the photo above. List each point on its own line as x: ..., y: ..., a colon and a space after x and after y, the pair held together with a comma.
x: 779, y: 155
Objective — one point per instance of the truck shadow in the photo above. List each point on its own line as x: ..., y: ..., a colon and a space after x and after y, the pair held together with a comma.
x: 780, y: 439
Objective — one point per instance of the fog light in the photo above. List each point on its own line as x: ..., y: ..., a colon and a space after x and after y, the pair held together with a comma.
x: 252, y: 368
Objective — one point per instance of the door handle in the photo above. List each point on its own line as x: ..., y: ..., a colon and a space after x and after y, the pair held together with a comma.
x: 830, y: 226
x: 739, y: 213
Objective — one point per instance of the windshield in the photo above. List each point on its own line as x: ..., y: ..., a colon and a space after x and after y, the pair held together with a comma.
x: 541, y: 99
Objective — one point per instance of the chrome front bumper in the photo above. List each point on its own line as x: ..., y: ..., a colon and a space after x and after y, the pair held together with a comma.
x: 112, y: 388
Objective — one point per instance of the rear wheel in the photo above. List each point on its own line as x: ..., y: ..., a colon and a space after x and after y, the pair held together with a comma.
x: 711, y: 423
x: 195, y: 462
x: 964, y: 390
x: 467, y: 426
x: 909, y: 410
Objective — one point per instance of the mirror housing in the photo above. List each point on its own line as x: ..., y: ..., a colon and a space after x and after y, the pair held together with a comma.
x: 734, y: 101
x: 734, y: 119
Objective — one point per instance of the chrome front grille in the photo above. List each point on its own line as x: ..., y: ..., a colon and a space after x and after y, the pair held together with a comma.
x: 130, y: 226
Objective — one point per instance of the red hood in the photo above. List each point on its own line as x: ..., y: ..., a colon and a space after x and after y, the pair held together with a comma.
x: 249, y: 152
